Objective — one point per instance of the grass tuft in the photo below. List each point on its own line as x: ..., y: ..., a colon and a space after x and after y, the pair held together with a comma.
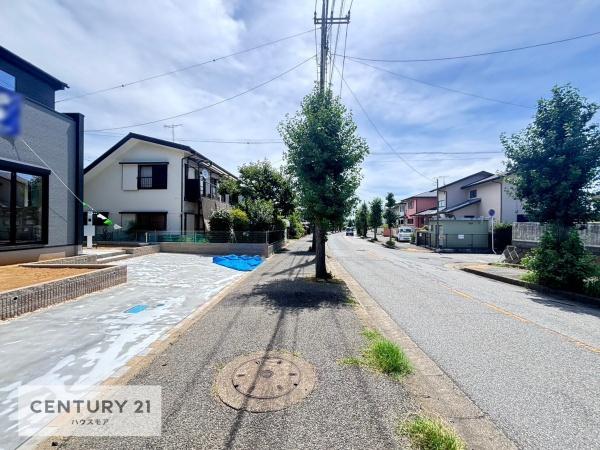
x: 382, y: 355
x: 431, y: 434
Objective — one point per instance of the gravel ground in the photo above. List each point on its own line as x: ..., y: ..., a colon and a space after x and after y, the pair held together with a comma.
x: 528, y: 360
x: 276, y: 309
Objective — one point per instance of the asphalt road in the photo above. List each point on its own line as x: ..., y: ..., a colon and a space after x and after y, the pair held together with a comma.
x: 528, y: 360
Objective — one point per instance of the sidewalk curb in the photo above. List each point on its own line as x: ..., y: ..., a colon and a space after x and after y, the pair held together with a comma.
x: 434, y: 391
x: 535, y: 287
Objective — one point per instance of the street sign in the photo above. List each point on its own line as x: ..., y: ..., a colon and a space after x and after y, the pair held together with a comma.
x: 10, y: 113
x: 492, y: 213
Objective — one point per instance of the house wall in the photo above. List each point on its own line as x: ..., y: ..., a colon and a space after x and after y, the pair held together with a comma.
x: 54, y: 137
x: 510, y: 205
x: 30, y: 86
x: 454, y: 193
x: 103, y: 186
x: 490, y: 195
x: 419, y: 204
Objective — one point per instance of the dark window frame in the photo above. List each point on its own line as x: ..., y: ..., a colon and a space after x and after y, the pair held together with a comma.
x: 13, y: 168
x: 158, y: 180
x: 473, y: 193
x: 142, y: 226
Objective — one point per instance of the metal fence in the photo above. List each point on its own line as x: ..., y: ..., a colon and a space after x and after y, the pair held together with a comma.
x: 199, y: 237
x: 532, y: 232
x: 454, y: 241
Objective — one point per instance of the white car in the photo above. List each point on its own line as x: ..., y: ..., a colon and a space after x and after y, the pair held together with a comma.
x: 404, y: 234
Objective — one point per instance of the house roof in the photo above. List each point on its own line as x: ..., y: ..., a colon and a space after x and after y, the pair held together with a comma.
x: 26, y: 66
x: 485, y: 180
x: 469, y: 202
x: 483, y: 174
x: 153, y: 140
x: 427, y: 212
x: 426, y: 194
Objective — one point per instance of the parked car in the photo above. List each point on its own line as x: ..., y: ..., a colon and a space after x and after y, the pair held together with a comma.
x: 349, y: 231
x: 404, y: 234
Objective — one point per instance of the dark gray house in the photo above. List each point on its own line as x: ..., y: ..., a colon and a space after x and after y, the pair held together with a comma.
x: 39, y: 217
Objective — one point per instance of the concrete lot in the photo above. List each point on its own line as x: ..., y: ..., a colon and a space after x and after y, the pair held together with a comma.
x: 86, y: 340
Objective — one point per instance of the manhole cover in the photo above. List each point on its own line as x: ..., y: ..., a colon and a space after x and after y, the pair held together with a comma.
x: 263, y: 382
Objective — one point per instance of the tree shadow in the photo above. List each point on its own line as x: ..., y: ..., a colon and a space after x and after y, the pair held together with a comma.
x: 564, y: 303
x: 302, y: 293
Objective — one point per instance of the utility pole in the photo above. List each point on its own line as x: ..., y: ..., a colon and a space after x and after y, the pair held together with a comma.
x: 172, y: 127
x: 324, y: 21
x: 437, y: 214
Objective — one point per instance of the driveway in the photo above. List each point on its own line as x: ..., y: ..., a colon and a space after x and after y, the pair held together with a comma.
x: 87, y: 340
x: 528, y: 360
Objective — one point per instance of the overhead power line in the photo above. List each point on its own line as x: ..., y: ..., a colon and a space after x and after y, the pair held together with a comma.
x: 438, y: 153
x: 456, y: 91
x: 409, y: 165
x: 239, y: 94
x: 246, y: 141
x: 474, y: 55
x: 181, y: 69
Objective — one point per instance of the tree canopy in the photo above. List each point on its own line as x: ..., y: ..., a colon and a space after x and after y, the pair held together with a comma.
x: 324, y: 156
x: 554, y: 164
x: 376, y: 215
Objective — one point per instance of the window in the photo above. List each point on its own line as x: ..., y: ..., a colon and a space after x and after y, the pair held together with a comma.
x: 473, y: 193
x: 7, y: 81
x: 411, y: 204
x: 442, y: 203
x: 151, y: 221
x: 152, y: 176
x: 23, y: 205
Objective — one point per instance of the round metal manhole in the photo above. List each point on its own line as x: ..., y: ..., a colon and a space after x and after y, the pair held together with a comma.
x: 263, y: 382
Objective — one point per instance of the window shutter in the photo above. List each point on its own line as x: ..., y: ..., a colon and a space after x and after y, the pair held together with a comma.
x: 159, y: 176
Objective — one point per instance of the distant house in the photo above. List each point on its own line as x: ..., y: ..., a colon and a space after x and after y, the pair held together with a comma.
x: 155, y: 185
x: 39, y: 217
x: 416, y: 204
x: 474, y: 196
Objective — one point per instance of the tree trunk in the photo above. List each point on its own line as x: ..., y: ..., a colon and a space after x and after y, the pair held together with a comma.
x: 320, y: 265
x: 375, y: 233
x: 313, y: 246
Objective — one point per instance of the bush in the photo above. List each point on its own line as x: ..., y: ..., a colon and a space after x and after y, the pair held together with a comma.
x: 260, y: 213
x: 562, y: 264
x: 220, y: 220
x: 240, y: 220
x: 296, y: 227
x: 502, y: 236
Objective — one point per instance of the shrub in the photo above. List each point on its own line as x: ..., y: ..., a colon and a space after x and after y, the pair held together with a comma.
x: 220, y: 220
x: 502, y: 236
x: 562, y: 264
x: 239, y: 219
x: 296, y: 227
x: 260, y: 213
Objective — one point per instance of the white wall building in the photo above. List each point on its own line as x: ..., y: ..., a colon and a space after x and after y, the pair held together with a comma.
x: 155, y: 184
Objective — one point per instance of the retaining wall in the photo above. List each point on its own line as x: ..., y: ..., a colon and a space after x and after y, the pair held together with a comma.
x: 527, y: 235
x: 15, y: 302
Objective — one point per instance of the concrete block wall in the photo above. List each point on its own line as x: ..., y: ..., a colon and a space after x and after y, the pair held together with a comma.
x: 20, y: 301
x: 215, y: 249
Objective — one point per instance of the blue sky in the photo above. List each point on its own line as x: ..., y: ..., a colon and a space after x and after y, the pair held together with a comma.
x: 92, y: 45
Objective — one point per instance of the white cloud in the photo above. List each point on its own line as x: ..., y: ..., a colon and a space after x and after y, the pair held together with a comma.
x: 92, y: 45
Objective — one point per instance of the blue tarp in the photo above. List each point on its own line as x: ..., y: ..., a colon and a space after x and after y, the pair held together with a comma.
x: 244, y: 263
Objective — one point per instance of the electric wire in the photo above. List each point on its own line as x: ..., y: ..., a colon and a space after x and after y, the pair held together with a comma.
x: 474, y: 55
x: 410, y: 166
x: 171, y: 72
x: 456, y: 91
x: 239, y: 94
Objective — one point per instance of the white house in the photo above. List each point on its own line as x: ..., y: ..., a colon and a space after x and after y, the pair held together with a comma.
x: 155, y: 184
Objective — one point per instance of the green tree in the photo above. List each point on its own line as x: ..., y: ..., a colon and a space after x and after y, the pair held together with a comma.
x: 261, y: 214
x: 554, y: 165
x: 362, y: 220
x: 239, y: 219
x: 261, y: 181
x: 389, y: 214
x: 555, y: 161
x: 220, y: 220
x: 231, y: 187
x: 324, y: 156
x: 376, y: 215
